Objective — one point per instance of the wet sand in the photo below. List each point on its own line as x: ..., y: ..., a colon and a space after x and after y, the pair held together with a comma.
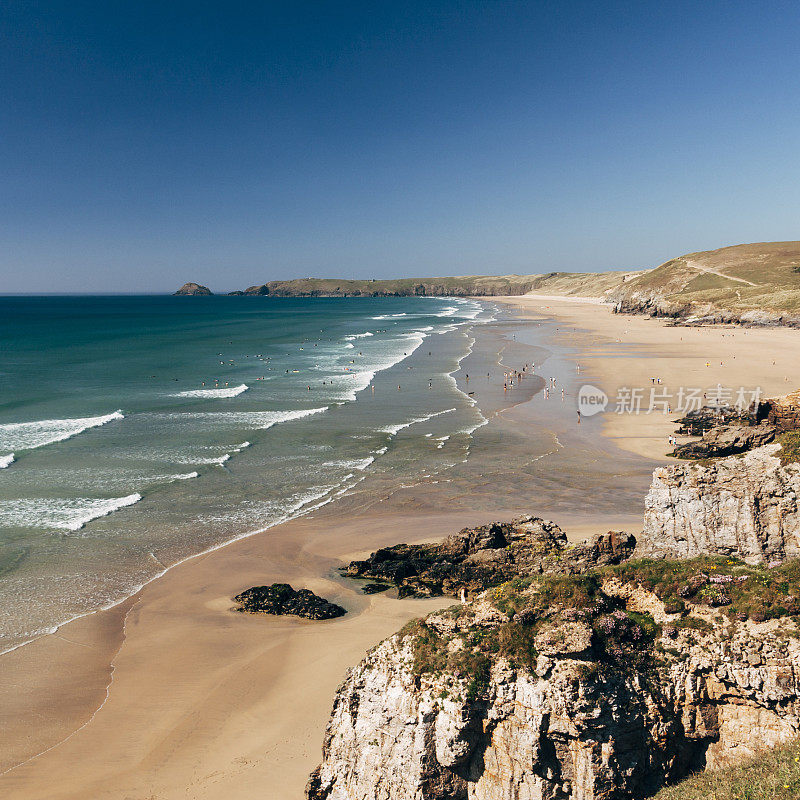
x: 620, y: 351
x: 206, y: 703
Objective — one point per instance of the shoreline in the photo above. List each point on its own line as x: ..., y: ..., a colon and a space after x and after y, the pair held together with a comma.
x: 220, y: 705
x: 82, y: 627
x: 312, y: 505
x: 690, y: 357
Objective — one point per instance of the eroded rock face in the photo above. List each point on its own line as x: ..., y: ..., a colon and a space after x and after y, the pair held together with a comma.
x: 744, y: 506
x: 727, y: 440
x: 784, y: 412
x: 568, y: 729
x: 476, y: 558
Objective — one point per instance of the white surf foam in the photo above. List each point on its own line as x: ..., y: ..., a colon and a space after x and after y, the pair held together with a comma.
x: 360, y: 463
x: 217, y: 460
x: 181, y: 476
x: 391, y: 316
x: 30, y: 435
x: 358, y: 336
x: 60, y: 513
x: 393, y: 430
x: 257, y: 420
x: 6, y: 461
x: 225, y: 391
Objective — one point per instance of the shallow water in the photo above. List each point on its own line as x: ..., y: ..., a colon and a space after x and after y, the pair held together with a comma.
x: 138, y: 431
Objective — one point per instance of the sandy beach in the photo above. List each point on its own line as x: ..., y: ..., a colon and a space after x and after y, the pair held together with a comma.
x: 171, y: 695
x: 628, y: 351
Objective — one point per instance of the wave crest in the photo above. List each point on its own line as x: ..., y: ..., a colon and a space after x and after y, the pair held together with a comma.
x: 62, y: 514
x: 30, y: 435
x: 225, y: 391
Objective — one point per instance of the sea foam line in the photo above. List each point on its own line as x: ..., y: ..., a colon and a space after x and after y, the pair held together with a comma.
x: 6, y: 461
x: 61, y: 513
x: 216, y: 460
x: 260, y: 420
x: 393, y: 430
x: 225, y: 391
x: 30, y: 435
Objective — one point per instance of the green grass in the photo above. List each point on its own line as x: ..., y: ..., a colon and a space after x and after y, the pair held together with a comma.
x: 690, y: 281
x: 581, y: 284
x: 738, y: 590
x: 772, y: 775
x: 790, y: 447
x: 622, y: 639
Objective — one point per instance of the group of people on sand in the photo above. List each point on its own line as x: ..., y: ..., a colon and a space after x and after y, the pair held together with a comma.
x: 509, y: 376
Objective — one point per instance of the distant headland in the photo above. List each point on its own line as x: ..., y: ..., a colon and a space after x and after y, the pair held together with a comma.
x: 751, y: 284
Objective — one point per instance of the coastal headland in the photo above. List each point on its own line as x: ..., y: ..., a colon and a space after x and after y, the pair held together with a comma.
x: 172, y: 695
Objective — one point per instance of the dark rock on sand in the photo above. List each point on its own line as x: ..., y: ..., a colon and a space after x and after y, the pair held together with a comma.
x: 477, y: 558
x: 280, y: 598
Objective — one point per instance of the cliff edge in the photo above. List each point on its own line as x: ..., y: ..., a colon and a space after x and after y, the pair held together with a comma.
x: 606, y: 685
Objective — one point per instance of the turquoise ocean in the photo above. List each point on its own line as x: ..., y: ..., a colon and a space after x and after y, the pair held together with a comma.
x: 136, y: 432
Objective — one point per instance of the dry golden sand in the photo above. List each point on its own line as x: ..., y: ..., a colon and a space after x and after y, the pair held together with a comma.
x: 204, y: 703
x: 627, y: 351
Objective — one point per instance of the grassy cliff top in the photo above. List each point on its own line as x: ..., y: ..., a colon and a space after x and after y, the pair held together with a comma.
x: 761, y: 277
x: 584, y: 284
x: 699, y: 595
x: 773, y: 775
x: 748, y: 277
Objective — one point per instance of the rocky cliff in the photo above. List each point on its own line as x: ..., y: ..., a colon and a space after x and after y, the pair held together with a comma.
x: 476, y: 558
x: 590, y: 688
x: 745, y: 506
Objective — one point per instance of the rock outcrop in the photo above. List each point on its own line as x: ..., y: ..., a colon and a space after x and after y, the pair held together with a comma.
x: 578, y: 700
x: 727, y: 440
x: 280, y: 598
x: 784, y: 412
x: 477, y: 558
x: 744, y: 506
x: 193, y: 289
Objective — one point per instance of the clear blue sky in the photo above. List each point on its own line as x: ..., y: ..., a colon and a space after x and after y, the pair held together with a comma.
x: 145, y: 144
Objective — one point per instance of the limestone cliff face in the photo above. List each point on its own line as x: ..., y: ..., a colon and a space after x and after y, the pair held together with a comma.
x: 744, y: 506
x: 566, y: 729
